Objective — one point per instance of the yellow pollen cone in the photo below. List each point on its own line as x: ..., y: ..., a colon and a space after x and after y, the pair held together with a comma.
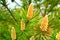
x: 32, y: 38
x: 22, y: 25
x: 44, y: 23
x: 13, y: 33
x: 58, y: 36
x: 30, y: 12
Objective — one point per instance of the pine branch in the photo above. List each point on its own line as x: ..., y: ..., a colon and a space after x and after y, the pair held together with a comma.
x: 9, y: 12
x: 16, y: 3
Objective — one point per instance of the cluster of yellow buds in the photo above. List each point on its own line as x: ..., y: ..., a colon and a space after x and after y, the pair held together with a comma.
x: 30, y: 12
x: 43, y: 27
x: 32, y: 38
x: 58, y: 36
x: 44, y: 23
x: 22, y: 25
x: 13, y: 33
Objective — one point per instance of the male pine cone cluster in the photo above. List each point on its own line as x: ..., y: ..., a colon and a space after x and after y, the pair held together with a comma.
x: 44, y: 23
x: 43, y: 27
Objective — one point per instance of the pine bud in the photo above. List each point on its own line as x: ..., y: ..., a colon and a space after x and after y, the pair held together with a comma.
x: 30, y: 12
x: 13, y: 33
x: 58, y: 36
x: 32, y: 38
x: 22, y: 25
x: 44, y: 23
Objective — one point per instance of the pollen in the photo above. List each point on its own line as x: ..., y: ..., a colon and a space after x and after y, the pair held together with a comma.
x: 22, y: 25
x: 30, y: 12
x: 13, y: 33
x: 32, y: 38
x: 58, y: 36
x: 44, y: 23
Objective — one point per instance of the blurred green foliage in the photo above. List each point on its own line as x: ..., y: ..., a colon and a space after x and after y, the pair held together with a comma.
x: 7, y: 20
